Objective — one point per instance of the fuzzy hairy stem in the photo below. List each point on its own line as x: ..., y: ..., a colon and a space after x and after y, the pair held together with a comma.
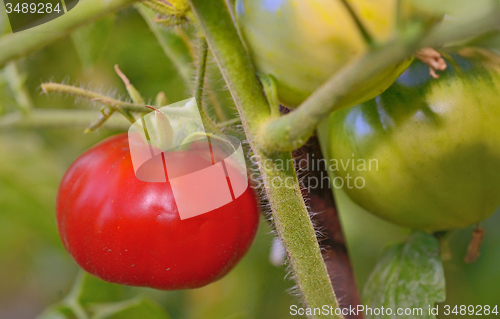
x: 125, y: 108
x: 291, y: 131
x: 76, y: 91
x: 19, y: 44
x: 290, y: 215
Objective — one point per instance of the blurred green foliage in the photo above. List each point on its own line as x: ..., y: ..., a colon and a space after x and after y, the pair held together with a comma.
x: 36, y: 271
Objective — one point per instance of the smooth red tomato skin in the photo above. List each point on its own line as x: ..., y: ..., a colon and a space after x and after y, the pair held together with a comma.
x: 127, y: 231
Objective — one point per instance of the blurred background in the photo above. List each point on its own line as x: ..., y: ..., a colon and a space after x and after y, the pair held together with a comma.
x: 36, y: 271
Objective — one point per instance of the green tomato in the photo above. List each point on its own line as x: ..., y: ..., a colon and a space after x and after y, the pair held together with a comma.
x: 303, y: 43
x: 425, y: 153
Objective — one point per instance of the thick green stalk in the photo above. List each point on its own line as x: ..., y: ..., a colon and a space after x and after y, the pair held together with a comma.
x: 21, y: 43
x: 292, y: 130
x: 289, y: 212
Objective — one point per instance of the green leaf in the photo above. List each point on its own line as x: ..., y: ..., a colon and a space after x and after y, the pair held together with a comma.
x: 409, y: 275
x: 130, y: 309
x: 91, y: 40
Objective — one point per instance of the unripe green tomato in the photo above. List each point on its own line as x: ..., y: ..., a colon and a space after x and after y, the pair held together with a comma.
x: 303, y: 43
x: 430, y: 147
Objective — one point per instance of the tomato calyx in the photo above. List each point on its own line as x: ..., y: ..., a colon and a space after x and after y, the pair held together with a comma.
x: 433, y: 59
x: 474, y: 245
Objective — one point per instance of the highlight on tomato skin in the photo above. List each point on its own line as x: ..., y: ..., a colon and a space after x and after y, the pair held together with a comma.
x: 127, y: 231
x: 436, y: 143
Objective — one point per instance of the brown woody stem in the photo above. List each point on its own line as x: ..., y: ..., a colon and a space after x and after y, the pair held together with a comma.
x: 316, y: 188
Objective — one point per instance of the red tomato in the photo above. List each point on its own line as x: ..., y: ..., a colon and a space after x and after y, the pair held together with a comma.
x: 127, y: 231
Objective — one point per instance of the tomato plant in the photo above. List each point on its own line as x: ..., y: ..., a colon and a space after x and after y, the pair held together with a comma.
x: 426, y: 152
x: 303, y: 43
x: 431, y: 144
x: 127, y: 231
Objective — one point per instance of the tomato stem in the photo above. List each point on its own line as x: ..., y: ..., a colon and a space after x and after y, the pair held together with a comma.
x: 63, y: 88
x: 106, y: 113
x: 290, y: 215
x: 123, y: 107
x: 209, y: 124
x: 362, y: 29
